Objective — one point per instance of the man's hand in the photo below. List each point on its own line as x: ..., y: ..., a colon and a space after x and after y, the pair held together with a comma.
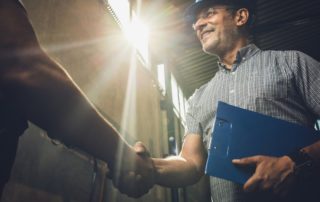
x: 146, y: 180
x: 135, y: 177
x: 141, y: 150
x: 271, y: 174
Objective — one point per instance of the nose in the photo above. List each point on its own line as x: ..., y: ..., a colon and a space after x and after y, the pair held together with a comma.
x: 199, y: 24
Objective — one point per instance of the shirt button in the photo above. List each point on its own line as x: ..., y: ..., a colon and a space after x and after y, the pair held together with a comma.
x: 231, y: 91
x: 233, y: 73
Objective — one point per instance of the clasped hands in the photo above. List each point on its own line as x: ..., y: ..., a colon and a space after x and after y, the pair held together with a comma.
x: 135, y: 175
x: 273, y: 174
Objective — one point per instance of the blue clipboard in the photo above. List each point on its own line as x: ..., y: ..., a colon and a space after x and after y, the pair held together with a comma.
x: 242, y: 133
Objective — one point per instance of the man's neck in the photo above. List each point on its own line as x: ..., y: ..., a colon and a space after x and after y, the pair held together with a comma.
x: 230, y: 56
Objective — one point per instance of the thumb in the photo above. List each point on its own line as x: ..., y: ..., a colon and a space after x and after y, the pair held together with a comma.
x: 141, y: 150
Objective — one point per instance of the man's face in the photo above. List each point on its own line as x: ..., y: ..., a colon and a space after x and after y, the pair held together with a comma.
x: 215, y: 28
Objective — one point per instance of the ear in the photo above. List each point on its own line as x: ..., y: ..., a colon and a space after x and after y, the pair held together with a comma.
x: 242, y: 17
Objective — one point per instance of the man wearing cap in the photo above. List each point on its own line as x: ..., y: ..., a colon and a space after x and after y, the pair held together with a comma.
x: 282, y: 84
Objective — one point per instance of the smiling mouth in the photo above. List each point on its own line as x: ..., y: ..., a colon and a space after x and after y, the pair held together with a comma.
x: 205, y: 34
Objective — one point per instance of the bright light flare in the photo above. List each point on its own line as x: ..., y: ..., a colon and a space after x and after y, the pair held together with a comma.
x: 137, y: 33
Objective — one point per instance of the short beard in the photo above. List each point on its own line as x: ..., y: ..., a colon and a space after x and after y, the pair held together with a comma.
x: 225, y: 45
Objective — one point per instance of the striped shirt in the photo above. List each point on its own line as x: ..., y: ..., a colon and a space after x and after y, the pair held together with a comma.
x: 281, y: 84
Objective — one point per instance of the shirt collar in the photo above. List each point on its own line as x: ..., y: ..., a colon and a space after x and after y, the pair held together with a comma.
x: 243, y: 54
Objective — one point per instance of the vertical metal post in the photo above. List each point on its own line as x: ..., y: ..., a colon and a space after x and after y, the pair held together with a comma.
x: 170, y: 126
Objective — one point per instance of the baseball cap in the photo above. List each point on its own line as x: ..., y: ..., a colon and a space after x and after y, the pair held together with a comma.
x: 191, y: 12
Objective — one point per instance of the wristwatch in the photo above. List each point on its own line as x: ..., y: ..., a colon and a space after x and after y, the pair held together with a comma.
x: 304, y: 165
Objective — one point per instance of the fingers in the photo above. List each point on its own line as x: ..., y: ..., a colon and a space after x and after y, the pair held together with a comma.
x: 260, y: 179
x: 138, y: 179
x: 252, y: 184
x: 249, y: 161
x: 131, y: 185
x: 271, y: 174
x: 259, y: 183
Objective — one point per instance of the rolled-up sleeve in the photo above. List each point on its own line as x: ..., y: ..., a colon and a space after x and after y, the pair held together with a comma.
x: 307, y: 78
x: 193, y: 125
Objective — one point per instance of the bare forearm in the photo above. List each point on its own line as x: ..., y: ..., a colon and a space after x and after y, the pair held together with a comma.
x: 42, y: 92
x: 49, y: 98
x: 176, y: 171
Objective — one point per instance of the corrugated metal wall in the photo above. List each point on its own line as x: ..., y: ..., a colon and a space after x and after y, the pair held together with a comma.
x: 280, y: 25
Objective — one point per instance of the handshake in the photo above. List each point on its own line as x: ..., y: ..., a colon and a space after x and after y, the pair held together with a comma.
x: 134, y: 172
